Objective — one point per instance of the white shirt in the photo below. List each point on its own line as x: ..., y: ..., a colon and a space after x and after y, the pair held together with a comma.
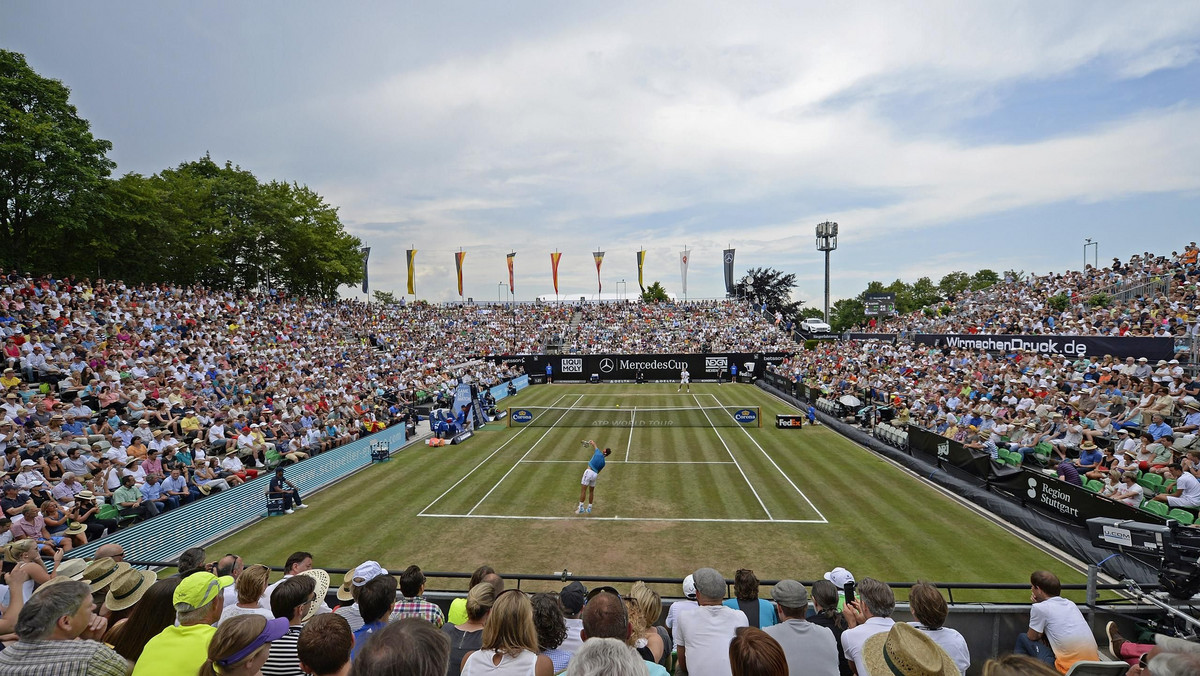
x: 1191, y: 489
x: 952, y: 642
x: 573, y: 642
x: 675, y: 610
x: 705, y: 632
x: 1064, y: 626
x: 854, y: 639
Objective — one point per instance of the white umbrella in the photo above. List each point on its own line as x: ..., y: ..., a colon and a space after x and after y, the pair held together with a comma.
x: 849, y: 400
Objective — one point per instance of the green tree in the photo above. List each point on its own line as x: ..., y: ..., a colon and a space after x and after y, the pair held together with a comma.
x: 954, y: 283
x: 847, y: 314
x: 655, y: 293
x: 385, y: 297
x: 812, y: 313
x: 51, y: 166
x: 983, y: 279
x: 770, y: 286
x: 924, y: 293
x: 1059, y: 302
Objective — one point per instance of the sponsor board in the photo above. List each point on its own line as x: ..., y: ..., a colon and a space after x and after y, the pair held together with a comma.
x: 461, y: 437
x: 1117, y: 536
x: 571, y: 365
x: 1069, y: 346
x: 745, y: 416
x: 716, y: 364
x: 522, y: 415
x: 789, y: 422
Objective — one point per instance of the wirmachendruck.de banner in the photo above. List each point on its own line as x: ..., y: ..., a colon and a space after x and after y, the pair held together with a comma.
x: 1068, y: 346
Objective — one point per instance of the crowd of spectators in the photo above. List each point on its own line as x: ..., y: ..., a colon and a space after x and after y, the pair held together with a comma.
x: 655, y: 328
x: 1166, y: 307
x: 104, y: 618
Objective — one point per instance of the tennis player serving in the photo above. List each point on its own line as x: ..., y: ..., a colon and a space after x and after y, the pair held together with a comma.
x: 587, y: 489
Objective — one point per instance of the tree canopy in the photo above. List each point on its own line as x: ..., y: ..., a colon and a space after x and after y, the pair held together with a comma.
x: 655, y: 293
x: 51, y: 167
x: 198, y: 223
x: 770, y: 287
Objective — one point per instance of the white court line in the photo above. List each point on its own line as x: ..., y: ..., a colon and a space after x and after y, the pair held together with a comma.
x: 643, y: 462
x: 772, y: 461
x: 735, y: 462
x: 616, y: 518
x: 518, y: 462
x: 632, y: 421
x: 481, y: 463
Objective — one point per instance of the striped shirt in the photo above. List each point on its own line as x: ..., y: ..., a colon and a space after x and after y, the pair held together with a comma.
x: 283, y: 659
x: 416, y: 606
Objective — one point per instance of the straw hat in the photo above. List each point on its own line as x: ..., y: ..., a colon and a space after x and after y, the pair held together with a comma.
x: 101, y: 572
x: 128, y: 588
x: 71, y: 569
x: 906, y: 651
x: 74, y: 529
x: 322, y: 579
x: 51, y: 582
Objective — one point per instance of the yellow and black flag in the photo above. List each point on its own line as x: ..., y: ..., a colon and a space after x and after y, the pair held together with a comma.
x: 411, y: 255
x: 641, y: 258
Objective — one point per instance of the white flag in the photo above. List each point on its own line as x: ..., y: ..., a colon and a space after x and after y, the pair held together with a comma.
x: 683, y: 263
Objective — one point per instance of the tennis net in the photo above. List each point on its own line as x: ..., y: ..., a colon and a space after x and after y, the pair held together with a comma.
x: 695, y: 416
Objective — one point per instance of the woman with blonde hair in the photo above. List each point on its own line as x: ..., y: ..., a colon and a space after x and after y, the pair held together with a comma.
x: 652, y: 642
x: 25, y: 554
x: 241, y: 646
x: 467, y: 636
x: 250, y: 587
x: 510, y: 643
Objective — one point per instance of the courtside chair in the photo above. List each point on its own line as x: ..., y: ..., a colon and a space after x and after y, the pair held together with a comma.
x: 1090, y: 668
x: 1182, y: 516
x: 1159, y: 508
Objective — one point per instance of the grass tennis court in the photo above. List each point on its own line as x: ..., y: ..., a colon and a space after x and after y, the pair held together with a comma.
x: 787, y: 503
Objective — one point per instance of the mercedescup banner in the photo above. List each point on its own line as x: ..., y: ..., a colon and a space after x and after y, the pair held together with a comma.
x: 660, y: 367
x: 1071, y: 346
x: 1058, y: 498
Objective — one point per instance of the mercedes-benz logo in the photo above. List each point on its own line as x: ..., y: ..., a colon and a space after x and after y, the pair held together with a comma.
x: 607, y: 365
x: 728, y: 258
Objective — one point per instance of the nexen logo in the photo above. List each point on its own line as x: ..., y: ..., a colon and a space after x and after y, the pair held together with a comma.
x: 572, y: 366
x: 522, y: 416
x: 745, y: 415
x: 716, y: 363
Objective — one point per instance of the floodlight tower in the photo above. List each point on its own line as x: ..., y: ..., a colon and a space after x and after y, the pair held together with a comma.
x: 827, y: 241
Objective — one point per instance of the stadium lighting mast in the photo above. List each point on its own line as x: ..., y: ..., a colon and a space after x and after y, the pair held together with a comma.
x: 827, y: 233
x: 1087, y: 241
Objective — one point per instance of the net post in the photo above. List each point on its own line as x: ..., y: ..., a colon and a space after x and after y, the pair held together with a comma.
x: 508, y: 418
x: 758, y: 409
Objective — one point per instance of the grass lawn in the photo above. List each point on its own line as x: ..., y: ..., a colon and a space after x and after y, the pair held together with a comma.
x: 787, y: 503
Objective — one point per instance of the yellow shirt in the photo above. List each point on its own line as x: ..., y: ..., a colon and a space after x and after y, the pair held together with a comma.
x: 177, y: 650
x: 191, y: 424
x: 9, y: 382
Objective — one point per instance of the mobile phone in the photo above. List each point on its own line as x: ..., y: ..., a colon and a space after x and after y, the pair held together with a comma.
x: 849, y: 589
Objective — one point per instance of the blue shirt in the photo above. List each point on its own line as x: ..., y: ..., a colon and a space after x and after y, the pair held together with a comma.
x: 151, y: 492
x: 1090, y: 457
x: 597, y: 461
x: 1159, y: 430
x: 361, y: 636
x: 172, y: 484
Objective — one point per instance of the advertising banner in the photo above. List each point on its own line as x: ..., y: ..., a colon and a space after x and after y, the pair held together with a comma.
x: 641, y: 262
x: 411, y: 257
x: 511, y: 288
x: 1048, y: 494
x: 1067, y: 346
x: 683, y: 265
x: 947, y: 452
x: 598, y: 256
x: 554, y: 258
x: 728, y: 262
x: 788, y: 422
x: 652, y: 367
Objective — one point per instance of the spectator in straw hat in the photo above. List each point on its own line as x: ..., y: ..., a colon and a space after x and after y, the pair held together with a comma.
x: 101, y: 572
x: 293, y: 599
x: 125, y: 591
x: 906, y: 651
x: 153, y: 613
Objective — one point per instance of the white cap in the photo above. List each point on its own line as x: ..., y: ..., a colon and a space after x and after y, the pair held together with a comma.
x: 366, y: 572
x: 689, y: 587
x: 840, y: 577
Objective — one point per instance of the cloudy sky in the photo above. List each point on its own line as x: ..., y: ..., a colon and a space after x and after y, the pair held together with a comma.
x: 940, y: 135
